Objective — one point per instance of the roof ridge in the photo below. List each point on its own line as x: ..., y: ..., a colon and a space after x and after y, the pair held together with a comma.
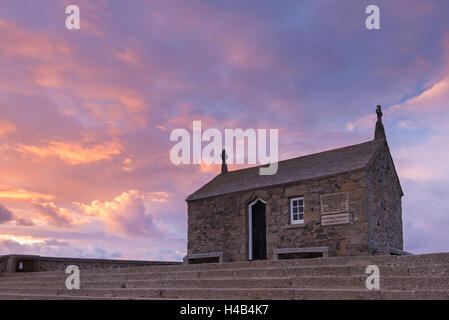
x: 320, y: 164
x: 307, y: 155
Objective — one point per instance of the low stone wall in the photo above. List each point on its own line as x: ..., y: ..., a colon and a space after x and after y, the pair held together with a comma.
x: 3, y: 260
x: 53, y: 264
x: 9, y: 263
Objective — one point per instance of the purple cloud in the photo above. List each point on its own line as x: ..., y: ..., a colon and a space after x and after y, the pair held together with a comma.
x: 5, y: 214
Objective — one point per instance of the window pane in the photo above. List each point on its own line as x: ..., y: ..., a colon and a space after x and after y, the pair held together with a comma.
x: 295, y: 203
x: 295, y: 217
x: 301, y: 209
x: 300, y: 202
x: 300, y: 217
x: 295, y: 210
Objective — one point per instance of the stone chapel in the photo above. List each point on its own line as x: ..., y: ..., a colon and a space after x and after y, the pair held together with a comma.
x: 341, y: 202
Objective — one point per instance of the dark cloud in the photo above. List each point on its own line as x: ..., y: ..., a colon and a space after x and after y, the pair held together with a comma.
x: 53, y: 215
x: 24, y: 222
x: 5, y: 215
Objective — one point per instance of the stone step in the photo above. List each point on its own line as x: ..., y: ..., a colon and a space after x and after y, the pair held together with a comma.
x: 234, y: 294
x: 409, y: 260
x: 401, y: 277
x: 17, y: 296
x: 300, y: 271
x: 350, y: 282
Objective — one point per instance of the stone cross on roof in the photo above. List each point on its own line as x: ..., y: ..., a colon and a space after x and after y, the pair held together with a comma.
x: 379, y: 113
x: 380, y: 130
x: 224, y: 166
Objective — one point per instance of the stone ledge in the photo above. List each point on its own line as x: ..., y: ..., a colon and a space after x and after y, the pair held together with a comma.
x: 399, y: 252
x: 326, y: 251
x: 294, y: 226
x: 222, y: 257
x: 386, y: 250
x: 8, y: 263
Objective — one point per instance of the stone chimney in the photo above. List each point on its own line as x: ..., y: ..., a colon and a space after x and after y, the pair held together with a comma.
x: 380, y: 130
x: 224, y: 166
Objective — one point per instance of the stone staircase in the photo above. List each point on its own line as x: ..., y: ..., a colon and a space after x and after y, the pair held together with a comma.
x: 401, y: 277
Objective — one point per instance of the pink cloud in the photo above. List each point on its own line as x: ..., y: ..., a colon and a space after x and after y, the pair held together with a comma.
x: 16, y: 42
x: 414, y: 162
x: 59, y: 217
x: 6, y: 127
x: 126, y: 215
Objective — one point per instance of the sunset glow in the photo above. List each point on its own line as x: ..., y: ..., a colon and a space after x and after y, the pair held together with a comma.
x: 86, y: 115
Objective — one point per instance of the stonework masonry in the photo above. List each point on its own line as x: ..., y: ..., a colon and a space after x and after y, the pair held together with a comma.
x: 384, y: 195
x: 227, y: 231
x: 8, y: 263
x: 218, y: 217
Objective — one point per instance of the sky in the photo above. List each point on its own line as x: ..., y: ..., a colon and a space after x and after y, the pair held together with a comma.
x: 86, y: 115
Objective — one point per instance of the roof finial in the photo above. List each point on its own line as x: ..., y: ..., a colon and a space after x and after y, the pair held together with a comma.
x: 224, y: 166
x: 379, y: 113
x: 380, y: 130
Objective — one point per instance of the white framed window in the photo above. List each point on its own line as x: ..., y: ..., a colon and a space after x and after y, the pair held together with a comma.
x: 297, y: 210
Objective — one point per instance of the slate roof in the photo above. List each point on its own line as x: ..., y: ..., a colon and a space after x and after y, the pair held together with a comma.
x: 316, y: 165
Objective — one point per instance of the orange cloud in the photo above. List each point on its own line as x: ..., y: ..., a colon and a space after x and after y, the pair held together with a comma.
x: 157, y: 196
x: 432, y: 99
x: 73, y: 153
x: 209, y: 168
x: 6, y: 127
x: 22, y: 194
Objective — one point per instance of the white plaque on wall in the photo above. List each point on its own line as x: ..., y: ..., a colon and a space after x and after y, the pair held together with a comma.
x: 334, y: 203
x: 330, y: 219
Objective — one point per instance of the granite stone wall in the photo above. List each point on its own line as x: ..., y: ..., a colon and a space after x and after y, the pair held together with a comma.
x: 57, y: 264
x: 384, y: 203
x: 8, y: 263
x: 221, y: 223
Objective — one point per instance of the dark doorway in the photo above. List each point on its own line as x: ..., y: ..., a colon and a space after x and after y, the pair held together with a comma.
x: 259, y: 231
x: 26, y: 265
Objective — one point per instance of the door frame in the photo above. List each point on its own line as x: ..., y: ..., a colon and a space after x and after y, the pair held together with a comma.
x: 250, y: 225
